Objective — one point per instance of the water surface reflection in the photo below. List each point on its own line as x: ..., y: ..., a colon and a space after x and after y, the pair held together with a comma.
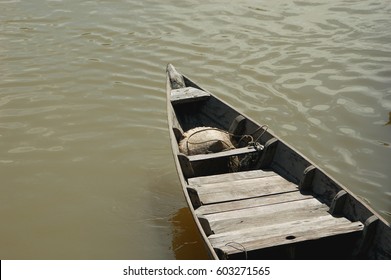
x: 187, y: 243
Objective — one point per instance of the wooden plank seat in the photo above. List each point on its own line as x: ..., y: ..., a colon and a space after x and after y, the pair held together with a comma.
x: 187, y: 161
x: 188, y: 94
x: 250, y: 203
x: 238, y: 190
x: 228, y: 153
x: 230, y: 177
x: 243, y: 189
x: 259, y: 209
x: 266, y: 215
x: 255, y: 238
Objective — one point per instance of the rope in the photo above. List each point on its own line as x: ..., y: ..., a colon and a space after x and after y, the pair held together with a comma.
x: 243, y: 249
x: 265, y: 127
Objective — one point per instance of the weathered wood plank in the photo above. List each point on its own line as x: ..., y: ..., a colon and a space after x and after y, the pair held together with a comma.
x: 228, y: 153
x: 176, y: 79
x: 287, y: 233
x: 266, y: 215
x: 188, y: 94
x: 288, y: 228
x: 230, y: 177
x: 251, y: 202
x: 248, y: 188
x: 269, y: 219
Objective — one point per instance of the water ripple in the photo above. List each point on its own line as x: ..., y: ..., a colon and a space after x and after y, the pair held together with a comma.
x: 82, y: 104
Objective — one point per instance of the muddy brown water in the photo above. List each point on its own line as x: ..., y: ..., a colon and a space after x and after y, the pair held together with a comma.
x: 85, y: 164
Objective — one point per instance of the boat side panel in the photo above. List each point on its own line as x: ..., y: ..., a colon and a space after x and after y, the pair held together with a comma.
x: 173, y: 123
x: 288, y: 163
x: 205, y: 113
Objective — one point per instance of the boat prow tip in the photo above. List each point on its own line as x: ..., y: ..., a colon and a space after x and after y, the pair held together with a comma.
x: 170, y: 67
x: 176, y: 78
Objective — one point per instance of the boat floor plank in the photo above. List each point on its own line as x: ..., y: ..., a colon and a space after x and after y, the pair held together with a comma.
x: 281, y: 234
x: 267, y: 215
x: 230, y: 177
x: 243, y: 189
x: 251, y: 202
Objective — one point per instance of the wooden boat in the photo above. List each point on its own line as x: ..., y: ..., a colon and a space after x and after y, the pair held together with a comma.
x: 275, y: 203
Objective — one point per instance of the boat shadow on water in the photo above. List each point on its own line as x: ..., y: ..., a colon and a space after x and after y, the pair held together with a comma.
x: 187, y: 243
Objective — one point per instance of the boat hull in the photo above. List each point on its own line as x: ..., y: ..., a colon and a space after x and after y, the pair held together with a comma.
x: 276, y: 203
